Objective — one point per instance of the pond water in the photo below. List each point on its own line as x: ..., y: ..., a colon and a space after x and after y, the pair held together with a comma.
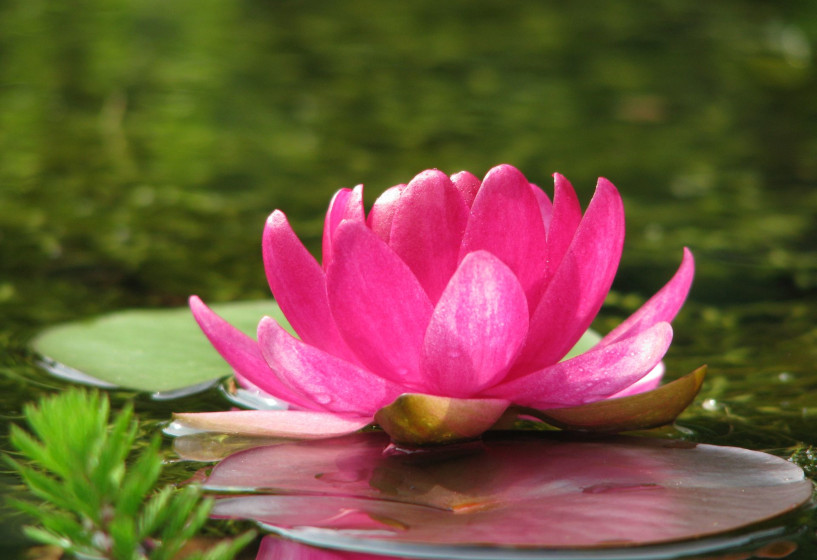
x: 143, y: 144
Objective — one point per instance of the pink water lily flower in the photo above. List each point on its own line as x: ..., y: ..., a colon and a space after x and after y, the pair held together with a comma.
x: 453, y: 303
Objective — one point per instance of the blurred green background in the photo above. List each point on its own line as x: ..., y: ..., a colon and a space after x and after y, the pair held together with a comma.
x: 142, y: 145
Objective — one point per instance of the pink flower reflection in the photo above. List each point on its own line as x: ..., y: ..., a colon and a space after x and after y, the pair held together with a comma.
x: 467, y: 293
x: 277, y: 549
x: 540, y: 490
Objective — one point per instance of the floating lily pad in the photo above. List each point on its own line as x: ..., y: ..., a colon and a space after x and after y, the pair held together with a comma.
x: 505, y: 497
x: 588, y: 340
x: 149, y: 350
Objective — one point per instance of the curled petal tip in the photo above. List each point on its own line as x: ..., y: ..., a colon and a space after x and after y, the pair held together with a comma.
x: 430, y: 173
x: 604, y: 183
x: 505, y: 170
x: 265, y: 324
x: 276, y: 218
x: 688, y: 264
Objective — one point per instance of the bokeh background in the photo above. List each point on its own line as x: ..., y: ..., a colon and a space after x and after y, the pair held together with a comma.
x: 142, y: 145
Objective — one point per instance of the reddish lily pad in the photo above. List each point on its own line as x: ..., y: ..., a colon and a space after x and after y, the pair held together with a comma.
x: 534, y: 491
x: 636, y: 412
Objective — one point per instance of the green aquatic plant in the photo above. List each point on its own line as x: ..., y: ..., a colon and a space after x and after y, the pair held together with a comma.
x: 100, y: 496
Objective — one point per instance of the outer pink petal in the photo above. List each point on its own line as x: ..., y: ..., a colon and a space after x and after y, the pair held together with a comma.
x: 663, y: 306
x: 467, y: 184
x: 243, y: 354
x: 379, y: 306
x: 592, y: 376
x: 427, y: 229
x: 382, y: 213
x: 333, y: 383
x: 507, y: 222
x: 647, y: 383
x: 299, y: 285
x: 576, y: 291
x: 477, y: 328
x: 545, y: 206
x: 347, y: 204
x: 300, y: 424
x: 567, y: 214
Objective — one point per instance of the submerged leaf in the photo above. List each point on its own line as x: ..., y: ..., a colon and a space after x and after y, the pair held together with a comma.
x: 149, y: 350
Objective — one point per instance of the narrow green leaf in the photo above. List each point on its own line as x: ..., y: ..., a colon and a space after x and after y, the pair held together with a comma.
x: 47, y: 537
x: 153, y: 514
x: 96, y: 504
x: 50, y: 489
x: 227, y: 550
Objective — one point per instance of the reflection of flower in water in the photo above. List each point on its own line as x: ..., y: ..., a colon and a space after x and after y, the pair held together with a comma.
x: 540, y: 490
x: 277, y: 549
x: 466, y: 294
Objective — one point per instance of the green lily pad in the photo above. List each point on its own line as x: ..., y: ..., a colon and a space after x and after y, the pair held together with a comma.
x: 588, y: 340
x: 148, y: 350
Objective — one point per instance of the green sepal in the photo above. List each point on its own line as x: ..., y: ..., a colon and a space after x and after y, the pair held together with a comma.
x: 649, y: 409
x: 417, y: 419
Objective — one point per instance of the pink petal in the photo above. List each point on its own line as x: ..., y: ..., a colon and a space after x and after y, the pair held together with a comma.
x: 382, y: 213
x: 379, y: 306
x: 467, y: 184
x: 477, y: 328
x: 576, y: 291
x: 331, y: 382
x: 592, y: 376
x: 567, y: 214
x: 301, y: 424
x: 545, y: 206
x: 347, y: 204
x: 647, y: 383
x: 507, y: 222
x: 427, y: 229
x: 299, y: 285
x: 663, y: 306
x: 243, y: 354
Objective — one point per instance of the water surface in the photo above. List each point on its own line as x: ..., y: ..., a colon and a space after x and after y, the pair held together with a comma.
x: 143, y: 144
